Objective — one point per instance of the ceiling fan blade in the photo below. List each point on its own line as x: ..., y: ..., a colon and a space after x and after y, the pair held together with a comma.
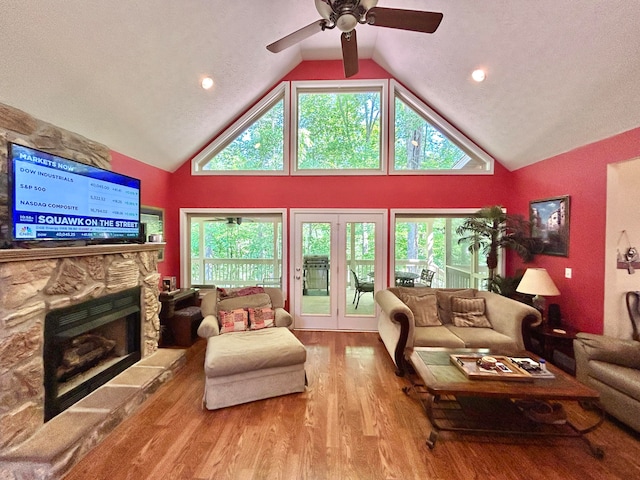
x: 297, y: 36
x: 414, y: 20
x: 349, y: 53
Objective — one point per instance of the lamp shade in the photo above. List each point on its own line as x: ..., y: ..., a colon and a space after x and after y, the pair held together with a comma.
x: 536, y: 281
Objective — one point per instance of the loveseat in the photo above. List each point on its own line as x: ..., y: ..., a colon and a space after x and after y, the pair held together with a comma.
x: 251, y: 353
x: 451, y: 318
x: 612, y: 367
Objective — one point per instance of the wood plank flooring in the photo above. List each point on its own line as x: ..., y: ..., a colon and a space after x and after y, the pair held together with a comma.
x: 353, y: 422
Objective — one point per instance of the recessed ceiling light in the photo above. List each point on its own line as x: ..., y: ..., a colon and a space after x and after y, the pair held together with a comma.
x: 479, y: 75
x: 207, y: 83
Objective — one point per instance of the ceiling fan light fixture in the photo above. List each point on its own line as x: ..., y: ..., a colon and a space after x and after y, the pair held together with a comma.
x: 324, y: 8
x: 346, y: 22
x: 367, y: 4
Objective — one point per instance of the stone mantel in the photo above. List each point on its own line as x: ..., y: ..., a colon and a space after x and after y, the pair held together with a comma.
x: 25, y: 254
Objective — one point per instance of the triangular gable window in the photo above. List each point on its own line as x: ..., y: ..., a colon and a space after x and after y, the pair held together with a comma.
x: 420, y: 141
x: 254, y: 143
x: 424, y: 142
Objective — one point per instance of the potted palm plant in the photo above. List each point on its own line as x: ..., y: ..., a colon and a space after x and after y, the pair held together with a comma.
x: 491, y: 229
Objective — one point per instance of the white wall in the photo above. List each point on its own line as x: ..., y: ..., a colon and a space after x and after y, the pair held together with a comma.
x: 623, y: 213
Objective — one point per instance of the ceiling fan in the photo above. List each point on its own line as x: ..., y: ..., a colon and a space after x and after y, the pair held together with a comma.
x: 230, y: 221
x: 346, y: 14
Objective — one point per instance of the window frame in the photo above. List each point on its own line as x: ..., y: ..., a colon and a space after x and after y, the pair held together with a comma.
x: 339, y: 86
x: 229, y: 134
x: 452, y: 133
x: 287, y: 91
x: 157, y: 212
x: 185, y: 236
x: 399, y: 214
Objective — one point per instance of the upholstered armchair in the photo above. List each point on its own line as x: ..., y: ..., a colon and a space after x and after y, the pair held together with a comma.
x: 254, y: 360
x: 612, y: 367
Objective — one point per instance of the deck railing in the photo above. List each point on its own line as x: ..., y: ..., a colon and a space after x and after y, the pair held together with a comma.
x: 452, y: 276
x: 231, y: 272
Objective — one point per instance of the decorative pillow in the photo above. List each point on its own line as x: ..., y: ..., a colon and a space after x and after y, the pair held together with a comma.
x: 444, y: 302
x: 233, y: 321
x: 260, y: 318
x: 424, y: 309
x: 415, y: 291
x: 469, y: 312
x: 238, y: 292
x: 258, y: 300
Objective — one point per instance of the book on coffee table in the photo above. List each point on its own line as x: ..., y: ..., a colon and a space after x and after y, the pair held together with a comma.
x: 532, y: 367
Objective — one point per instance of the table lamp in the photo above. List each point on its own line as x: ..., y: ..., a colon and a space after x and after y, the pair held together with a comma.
x: 536, y: 281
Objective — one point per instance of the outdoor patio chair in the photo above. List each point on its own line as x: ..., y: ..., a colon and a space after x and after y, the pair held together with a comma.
x: 426, y: 278
x: 361, y: 288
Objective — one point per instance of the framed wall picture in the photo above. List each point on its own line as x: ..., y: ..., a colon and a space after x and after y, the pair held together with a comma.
x: 153, y: 217
x: 550, y: 223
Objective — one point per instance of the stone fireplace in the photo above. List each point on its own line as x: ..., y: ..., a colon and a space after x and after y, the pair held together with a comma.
x: 34, y: 283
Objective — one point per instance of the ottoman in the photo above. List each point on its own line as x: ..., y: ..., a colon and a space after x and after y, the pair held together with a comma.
x: 241, y: 367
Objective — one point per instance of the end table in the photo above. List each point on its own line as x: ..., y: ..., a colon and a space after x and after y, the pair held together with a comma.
x: 554, y: 339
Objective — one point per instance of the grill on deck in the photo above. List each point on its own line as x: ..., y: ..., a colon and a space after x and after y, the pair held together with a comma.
x: 316, y: 275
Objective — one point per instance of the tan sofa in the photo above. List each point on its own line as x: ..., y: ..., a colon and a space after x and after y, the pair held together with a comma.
x: 245, y: 366
x: 400, y: 332
x: 612, y: 367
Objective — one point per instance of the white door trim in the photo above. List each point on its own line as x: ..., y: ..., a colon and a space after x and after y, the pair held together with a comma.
x: 351, y: 322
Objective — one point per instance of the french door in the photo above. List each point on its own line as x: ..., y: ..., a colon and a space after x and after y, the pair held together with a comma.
x: 338, y: 261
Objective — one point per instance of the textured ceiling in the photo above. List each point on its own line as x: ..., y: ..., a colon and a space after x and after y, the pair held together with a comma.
x: 561, y: 74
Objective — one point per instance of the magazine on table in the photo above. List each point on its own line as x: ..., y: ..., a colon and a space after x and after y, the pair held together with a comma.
x: 532, y: 367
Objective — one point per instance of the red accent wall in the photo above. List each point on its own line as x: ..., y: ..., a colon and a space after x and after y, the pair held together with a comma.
x: 155, y: 193
x: 366, y: 191
x: 582, y: 174
x: 333, y: 70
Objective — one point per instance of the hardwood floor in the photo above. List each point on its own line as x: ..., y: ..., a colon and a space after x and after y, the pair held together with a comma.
x: 353, y: 422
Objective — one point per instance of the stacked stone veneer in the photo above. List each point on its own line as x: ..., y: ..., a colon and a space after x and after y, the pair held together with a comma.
x: 29, y: 289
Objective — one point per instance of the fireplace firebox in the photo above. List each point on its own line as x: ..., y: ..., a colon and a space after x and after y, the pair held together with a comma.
x: 88, y: 344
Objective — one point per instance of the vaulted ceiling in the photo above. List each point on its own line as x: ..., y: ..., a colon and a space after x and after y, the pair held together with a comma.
x: 560, y: 74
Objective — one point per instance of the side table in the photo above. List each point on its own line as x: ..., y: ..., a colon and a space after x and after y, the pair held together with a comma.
x: 171, y: 303
x: 556, y: 344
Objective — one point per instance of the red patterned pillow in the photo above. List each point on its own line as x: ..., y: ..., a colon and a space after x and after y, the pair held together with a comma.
x: 261, y: 318
x: 233, y: 321
x: 238, y: 292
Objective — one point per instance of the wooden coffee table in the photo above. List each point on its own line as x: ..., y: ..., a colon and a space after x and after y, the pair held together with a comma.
x: 456, y: 403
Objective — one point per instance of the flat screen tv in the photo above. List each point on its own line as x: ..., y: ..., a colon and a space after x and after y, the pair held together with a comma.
x: 57, y: 199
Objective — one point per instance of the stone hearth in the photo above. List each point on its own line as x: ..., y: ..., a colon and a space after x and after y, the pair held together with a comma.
x: 65, y: 439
